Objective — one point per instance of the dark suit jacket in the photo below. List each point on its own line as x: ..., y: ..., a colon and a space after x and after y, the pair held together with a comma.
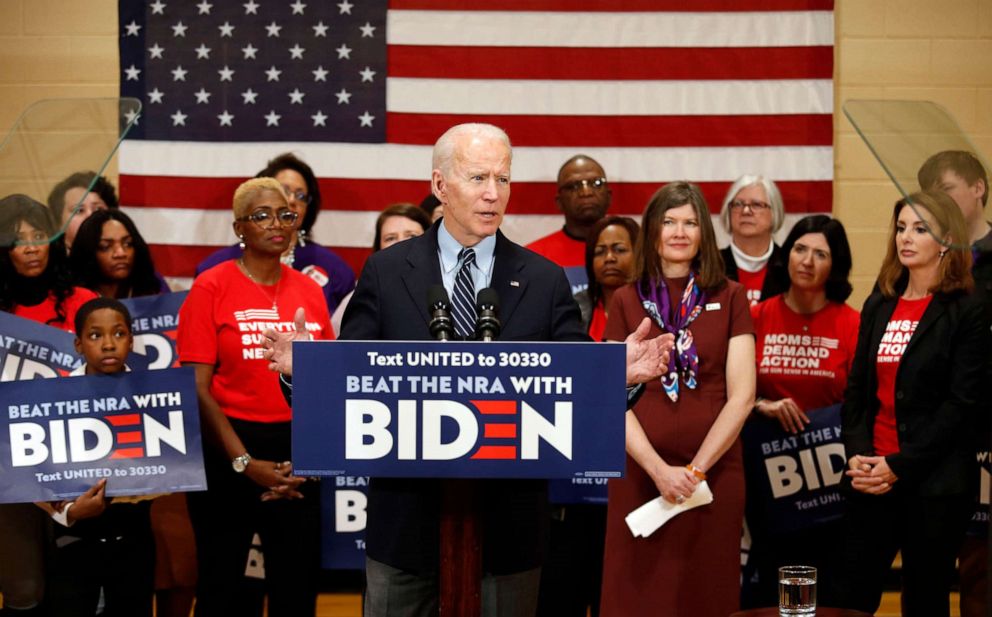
x: 390, y: 303
x: 938, y: 390
x: 776, y: 279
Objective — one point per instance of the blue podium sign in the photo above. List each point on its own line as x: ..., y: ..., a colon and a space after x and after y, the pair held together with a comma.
x: 458, y: 410
x: 139, y: 430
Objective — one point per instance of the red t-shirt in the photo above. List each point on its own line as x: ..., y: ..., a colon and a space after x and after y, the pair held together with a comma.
x: 752, y: 282
x: 565, y: 251
x: 44, y: 312
x: 597, y: 323
x: 221, y: 324
x: 899, y: 330
x: 804, y: 357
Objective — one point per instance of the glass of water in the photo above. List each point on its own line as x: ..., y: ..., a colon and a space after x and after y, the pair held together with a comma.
x: 797, y: 590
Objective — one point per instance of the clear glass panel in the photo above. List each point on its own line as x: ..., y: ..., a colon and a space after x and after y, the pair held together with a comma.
x: 52, y: 140
x: 905, y: 135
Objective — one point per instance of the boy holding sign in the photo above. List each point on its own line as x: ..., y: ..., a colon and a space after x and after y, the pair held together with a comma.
x: 102, y: 545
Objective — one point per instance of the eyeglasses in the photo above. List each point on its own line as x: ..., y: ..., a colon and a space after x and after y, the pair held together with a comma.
x: 595, y: 184
x: 266, y: 220
x: 755, y: 206
x: 299, y: 196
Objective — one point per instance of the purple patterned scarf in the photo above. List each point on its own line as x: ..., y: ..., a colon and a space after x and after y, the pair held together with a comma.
x: 683, y: 361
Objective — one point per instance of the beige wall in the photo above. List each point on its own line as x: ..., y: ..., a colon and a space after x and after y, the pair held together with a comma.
x: 889, y: 49
x: 902, y: 49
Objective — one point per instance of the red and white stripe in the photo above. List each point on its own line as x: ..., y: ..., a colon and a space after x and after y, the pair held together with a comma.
x: 653, y: 91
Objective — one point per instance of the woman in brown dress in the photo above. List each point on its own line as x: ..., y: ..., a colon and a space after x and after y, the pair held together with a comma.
x: 685, y: 427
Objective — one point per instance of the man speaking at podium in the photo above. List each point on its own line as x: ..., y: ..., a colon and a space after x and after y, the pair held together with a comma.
x: 466, y: 252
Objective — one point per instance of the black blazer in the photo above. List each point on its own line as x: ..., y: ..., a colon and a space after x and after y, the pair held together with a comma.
x: 390, y: 303
x: 776, y: 279
x: 938, y: 391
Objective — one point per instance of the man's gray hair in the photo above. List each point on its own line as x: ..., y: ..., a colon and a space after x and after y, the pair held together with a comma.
x: 444, y: 149
x: 771, y: 190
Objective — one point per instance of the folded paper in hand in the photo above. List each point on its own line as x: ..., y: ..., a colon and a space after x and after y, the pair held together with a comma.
x: 646, y: 519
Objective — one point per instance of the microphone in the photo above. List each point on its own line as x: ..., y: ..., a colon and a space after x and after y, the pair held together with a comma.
x: 439, y: 306
x: 487, y: 326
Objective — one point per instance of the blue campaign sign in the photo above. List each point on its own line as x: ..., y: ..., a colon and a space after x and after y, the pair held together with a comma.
x: 139, y: 430
x: 794, y: 480
x: 459, y: 410
x: 154, y: 320
x: 343, y: 500
x: 30, y: 350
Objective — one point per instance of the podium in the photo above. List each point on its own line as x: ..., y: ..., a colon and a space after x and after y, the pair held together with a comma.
x: 460, y: 412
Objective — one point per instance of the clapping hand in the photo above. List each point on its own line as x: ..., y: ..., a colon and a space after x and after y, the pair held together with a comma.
x: 279, y: 345
x: 647, y: 359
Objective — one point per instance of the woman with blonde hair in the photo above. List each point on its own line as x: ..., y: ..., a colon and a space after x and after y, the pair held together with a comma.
x: 245, y: 419
x: 910, y: 411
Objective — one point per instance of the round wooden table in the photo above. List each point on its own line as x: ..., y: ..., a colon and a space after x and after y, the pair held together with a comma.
x: 821, y: 611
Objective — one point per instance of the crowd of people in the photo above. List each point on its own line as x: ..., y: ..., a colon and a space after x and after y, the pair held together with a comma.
x: 905, y: 379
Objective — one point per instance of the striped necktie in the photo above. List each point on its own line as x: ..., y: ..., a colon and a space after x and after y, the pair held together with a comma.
x: 463, y: 299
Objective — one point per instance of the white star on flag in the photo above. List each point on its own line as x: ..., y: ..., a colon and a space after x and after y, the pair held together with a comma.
x: 251, y: 7
x: 367, y: 74
x: 344, y: 97
x: 155, y: 96
x: 249, y: 96
x: 320, y: 73
x: 319, y: 118
x: 273, y: 74
x: 273, y: 29
x: 226, y: 74
x: 179, y: 73
x: 131, y: 116
x: 225, y: 118
x: 179, y: 118
x: 320, y: 29
x: 132, y: 72
x: 226, y: 29
x: 298, y: 7
x: 296, y: 97
x: 366, y: 119
x: 158, y: 7
x: 202, y: 52
x: 272, y: 119
x: 249, y: 51
x: 296, y: 52
x: 368, y: 30
x: 156, y: 51
x: 202, y: 96
x: 132, y: 28
x: 204, y: 7
x: 343, y: 52
x: 179, y: 29
x: 345, y: 7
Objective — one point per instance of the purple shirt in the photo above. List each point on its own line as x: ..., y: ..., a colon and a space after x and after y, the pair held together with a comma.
x: 328, y: 270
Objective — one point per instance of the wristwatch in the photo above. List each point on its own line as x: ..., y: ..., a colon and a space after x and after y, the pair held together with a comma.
x: 240, y: 463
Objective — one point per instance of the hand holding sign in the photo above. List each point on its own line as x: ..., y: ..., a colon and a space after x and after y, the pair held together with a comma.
x: 647, y: 359
x: 279, y: 345
x: 792, y: 418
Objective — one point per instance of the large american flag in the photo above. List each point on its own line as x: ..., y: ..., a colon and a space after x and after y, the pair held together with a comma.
x: 656, y: 90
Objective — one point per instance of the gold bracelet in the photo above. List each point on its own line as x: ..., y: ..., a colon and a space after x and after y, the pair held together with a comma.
x: 696, y: 471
